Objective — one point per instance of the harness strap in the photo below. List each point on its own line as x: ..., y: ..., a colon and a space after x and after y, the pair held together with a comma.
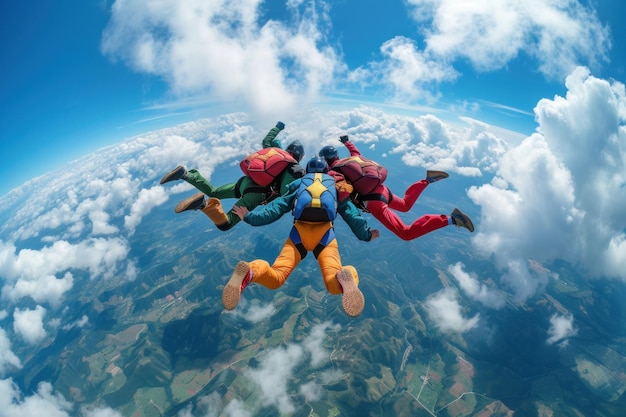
x: 297, y: 241
x: 328, y: 237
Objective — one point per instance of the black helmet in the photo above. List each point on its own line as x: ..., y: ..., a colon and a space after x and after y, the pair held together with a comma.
x: 296, y: 150
x: 317, y: 164
x: 329, y: 153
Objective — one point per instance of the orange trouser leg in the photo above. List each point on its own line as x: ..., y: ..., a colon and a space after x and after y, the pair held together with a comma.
x: 274, y: 276
x: 330, y: 263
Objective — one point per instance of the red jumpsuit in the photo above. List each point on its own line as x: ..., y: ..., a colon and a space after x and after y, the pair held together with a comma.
x: 383, y: 202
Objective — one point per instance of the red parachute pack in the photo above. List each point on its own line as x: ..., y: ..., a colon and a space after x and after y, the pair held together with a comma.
x: 364, y: 174
x: 266, y: 164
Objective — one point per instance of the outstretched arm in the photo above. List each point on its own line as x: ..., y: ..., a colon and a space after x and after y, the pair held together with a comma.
x: 271, y: 212
x: 354, y: 151
x: 270, y: 140
x: 357, y: 223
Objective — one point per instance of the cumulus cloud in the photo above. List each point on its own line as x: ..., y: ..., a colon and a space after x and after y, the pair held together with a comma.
x: 445, y: 311
x: 143, y: 204
x: 559, y: 35
x: 254, y: 311
x: 40, y: 403
x: 273, y: 375
x: 28, y: 324
x: 561, y: 329
x: 559, y: 193
x: 82, y: 322
x: 274, y: 378
x: 8, y: 359
x: 474, y: 289
x: 43, y: 402
x: 226, y: 48
x: 99, y: 412
x: 313, y: 342
x: 33, y: 273
x: 231, y: 51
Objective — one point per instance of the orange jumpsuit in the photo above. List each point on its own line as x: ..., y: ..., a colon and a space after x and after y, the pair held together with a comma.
x: 305, y: 236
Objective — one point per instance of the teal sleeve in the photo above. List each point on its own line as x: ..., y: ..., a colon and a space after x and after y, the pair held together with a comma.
x: 270, y: 140
x: 272, y: 211
x: 357, y: 223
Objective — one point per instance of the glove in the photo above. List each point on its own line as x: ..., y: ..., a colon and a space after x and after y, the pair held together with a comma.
x: 343, y: 139
x: 280, y: 125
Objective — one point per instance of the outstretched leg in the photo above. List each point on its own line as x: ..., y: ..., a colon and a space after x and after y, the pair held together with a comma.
x: 413, y: 192
x: 392, y: 221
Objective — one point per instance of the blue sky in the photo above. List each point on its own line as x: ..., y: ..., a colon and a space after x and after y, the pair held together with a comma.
x: 63, y: 95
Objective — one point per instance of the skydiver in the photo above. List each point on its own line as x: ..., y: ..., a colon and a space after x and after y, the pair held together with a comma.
x: 249, y: 193
x: 312, y: 231
x: 381, y: 201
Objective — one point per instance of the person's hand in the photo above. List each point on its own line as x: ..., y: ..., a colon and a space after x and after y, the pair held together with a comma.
x: 375, y: 234
x: 343, y: 139
x: 240, y: 211
x: 280, y: 125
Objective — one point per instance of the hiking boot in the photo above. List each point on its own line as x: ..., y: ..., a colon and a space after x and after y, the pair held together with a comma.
x: 241, y: 277
x: 177, y: 173
x: 434, y: 176
x: 461, y: 220
x: 195, y: 202
x: 352, y: 299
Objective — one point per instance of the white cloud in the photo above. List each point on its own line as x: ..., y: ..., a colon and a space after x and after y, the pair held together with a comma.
x: 143, y: 204
x: 8, y: 359
x: 475, y: 290
x: 236, y: 408
x: 82, y: 322
x: 99, y: 412
x: 224, y: 48
x: 561, y: 329
x: 275, y: 371
x: 231, y: 52
x: 311, y: 391
x: 412, y: 73
x: 43, y: 402
x: 28, y: 324
x: 559, y: 35
x: 33, y: 272
x: 254, y: 311
x: 444, y: 309
x: 273, y: 375
x: 313, y: 342
x: 559, y: 193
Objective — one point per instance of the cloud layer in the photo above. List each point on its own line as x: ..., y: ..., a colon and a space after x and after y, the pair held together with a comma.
x: 232, y: 51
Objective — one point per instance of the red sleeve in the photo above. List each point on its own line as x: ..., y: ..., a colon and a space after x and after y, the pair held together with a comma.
x: 354, y: 151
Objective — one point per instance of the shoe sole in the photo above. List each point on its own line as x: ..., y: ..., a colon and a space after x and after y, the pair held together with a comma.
x: 184, y: 205
x: 467, y: 222
x: 437, y: 175
x: 352, y: 299
x: 169, y: 176
x: 232, y: 290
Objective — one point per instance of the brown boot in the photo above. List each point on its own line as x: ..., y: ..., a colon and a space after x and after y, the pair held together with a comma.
x: 434, y: 176
x: 195, y: 202
x: 177, y: 173
x: 352, y: 298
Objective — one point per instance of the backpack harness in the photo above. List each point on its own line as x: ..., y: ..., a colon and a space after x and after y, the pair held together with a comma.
x: 315, y: 201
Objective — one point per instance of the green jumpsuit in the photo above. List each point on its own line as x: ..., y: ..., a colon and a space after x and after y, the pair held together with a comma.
x: 249, y: 193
